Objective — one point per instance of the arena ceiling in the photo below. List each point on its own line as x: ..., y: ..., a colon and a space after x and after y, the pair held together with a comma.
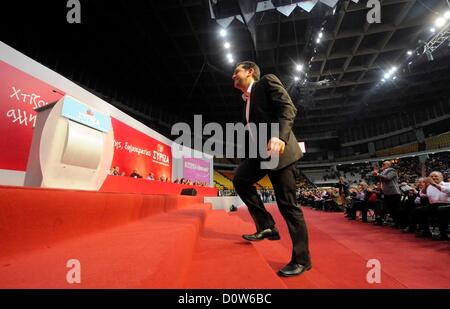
x: 164, y: 61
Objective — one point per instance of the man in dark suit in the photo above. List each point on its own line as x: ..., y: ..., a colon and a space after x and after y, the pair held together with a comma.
x: 268, y: 102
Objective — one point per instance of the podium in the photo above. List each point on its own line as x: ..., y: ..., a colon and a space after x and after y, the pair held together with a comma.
x: 72, y: 147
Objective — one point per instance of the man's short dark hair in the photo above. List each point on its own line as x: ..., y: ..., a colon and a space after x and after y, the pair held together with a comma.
x: 251, y: 65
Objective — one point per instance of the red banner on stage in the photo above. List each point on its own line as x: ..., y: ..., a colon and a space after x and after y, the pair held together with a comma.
x: 134, y: 150
x: 20, y: 94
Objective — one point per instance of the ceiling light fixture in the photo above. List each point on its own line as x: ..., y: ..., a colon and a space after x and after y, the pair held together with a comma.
x: 440, y: 22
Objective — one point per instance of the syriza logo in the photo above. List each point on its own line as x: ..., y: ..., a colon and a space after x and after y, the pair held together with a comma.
x: 160, y: 148
x: 89, y: 118
x: 159, y: 157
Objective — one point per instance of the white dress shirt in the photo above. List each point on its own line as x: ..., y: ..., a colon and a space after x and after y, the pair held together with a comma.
x: 246, y: 98
x: 435, y: 196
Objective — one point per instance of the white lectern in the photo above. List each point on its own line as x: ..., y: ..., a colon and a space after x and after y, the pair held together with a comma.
x: 72, y: 147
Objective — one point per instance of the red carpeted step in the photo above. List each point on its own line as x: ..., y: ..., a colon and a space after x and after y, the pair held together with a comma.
x: 340, y: 251
x: 33, y: 218
x: 334, y: 264
x: 153, y: 252
x: 411, y: 262
x: 277, y: 254
x: 223, y: 259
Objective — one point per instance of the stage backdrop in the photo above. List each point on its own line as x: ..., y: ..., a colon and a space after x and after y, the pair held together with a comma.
x: 20, y: 94
x: 26, y: 84
x: 136, y: 150
x: 196, y: 170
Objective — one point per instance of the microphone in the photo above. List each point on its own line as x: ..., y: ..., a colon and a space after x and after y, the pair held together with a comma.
x: 56, y: 91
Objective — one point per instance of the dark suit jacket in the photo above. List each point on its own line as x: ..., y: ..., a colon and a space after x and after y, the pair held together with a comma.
x: 270, y: 103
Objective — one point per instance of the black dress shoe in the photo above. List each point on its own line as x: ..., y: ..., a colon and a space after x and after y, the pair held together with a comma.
x: 270, y: 234
x: 294, y: 269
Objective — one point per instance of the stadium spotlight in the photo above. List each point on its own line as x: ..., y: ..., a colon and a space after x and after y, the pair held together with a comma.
x: 296, y: 78
x: 227, y: 45
x: 223, y: 33
x: 299, y: 67
x: 440, y: 21
x: 409, y: 52
x: 230, y: 58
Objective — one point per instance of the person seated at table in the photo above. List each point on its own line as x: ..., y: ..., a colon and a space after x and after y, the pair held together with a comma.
x: 135, y: 174
x: 114, y: 171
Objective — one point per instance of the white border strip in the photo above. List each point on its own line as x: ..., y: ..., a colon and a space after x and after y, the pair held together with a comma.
x: 12, y: 178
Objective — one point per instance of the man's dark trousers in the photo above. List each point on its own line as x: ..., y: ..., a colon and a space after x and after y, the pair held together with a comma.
x: 283, y: 180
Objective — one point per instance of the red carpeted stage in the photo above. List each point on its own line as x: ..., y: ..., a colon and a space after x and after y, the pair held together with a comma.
x: 171, y: 241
